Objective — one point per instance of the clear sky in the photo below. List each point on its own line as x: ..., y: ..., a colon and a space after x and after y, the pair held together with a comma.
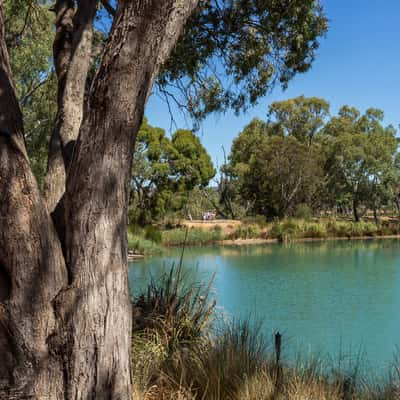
x: 358, y: 64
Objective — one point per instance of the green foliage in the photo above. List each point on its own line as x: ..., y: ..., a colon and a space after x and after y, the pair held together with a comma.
x: 282, y: 173
x: 293, y: 229
x: 303, y: 211
x: 360, y: 158
x: 192, y: 236
x: 245, y: 231
x: 29, y: 37
x: 300, y: 117
x: 139, y: 245
x: 234, y: 52
x: 177, y: 310
x: 200, y: 200
x: 298, y: 163
x: 259, y: 220
x: 285, y: 230
x: 165, y: 171
x: 152, y: 233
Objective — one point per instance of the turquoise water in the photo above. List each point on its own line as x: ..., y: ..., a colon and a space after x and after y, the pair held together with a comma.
x: 325, y: 298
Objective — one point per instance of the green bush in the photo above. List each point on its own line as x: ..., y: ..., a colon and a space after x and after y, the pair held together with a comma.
x: 259, y: 220
x: 314, y: 230
x: 286, y: 230
x: 153, y: 234
x: 190, y: 237
x: 140, y: 245
x: 303, y: 211
x: 251, y: 231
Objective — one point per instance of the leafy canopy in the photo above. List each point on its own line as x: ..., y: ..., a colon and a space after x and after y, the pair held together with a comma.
x: 166, y: 171
x: 299, y: 157
x: 231, y: 53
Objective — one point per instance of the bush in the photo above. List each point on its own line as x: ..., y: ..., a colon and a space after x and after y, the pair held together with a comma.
x: 192, y: 236
x: 170, y: 318
x: 152, y: 233
x: 303, y: 211
x: 259, y: 220
x: 140, y: 245
x: 315, y: 230
x: 286, y: 230
x: 245, y: 232
x: 351, y: 229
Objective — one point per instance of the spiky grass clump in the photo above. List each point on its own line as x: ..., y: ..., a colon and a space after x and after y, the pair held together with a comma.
x: 170, y: 319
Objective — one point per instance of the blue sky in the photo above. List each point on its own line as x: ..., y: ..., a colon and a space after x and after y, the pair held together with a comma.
x: 358, y: 64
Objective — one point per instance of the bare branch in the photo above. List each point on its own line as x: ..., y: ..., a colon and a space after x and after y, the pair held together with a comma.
x: 108, y: 7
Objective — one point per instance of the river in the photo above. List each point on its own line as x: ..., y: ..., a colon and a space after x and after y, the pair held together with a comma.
x: 336, y: 299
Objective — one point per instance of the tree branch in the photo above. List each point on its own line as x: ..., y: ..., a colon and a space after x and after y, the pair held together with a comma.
x: 111, y: 10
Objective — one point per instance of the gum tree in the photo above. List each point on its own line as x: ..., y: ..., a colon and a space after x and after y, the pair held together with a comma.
x: 65, y: 318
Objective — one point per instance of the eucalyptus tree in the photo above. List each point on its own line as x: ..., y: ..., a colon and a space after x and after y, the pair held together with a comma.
x: 165, y: 172
x: 281, y: 174
x: 65, y: 313
x: 361, y: 158
x: 301, y: 117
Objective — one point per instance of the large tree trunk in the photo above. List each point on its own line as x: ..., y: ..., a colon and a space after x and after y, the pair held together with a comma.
x: 32, y: 269
x: 98, y: 195
x: 65, y: 327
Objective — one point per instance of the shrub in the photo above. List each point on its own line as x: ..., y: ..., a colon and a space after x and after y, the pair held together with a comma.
x: 286, y: 230
x: 315, y: 230
x: 192, y: 236
x: 245, y: 232
x: 259, y: 220
x: 170, y: 318
x: 152, y: 233
x: 303, y: 211
x: 140, y: 245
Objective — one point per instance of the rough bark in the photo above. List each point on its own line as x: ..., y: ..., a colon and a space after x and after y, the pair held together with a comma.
x: 65, y: 321
x: 32, y: 269
x: 96, y: 309
x: 72, y: 55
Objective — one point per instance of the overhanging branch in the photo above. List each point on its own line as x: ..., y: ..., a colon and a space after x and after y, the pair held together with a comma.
x: 108, y: 7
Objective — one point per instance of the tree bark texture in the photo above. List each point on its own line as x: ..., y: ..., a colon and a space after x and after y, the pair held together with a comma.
x: 32, y: 268
x: 72, y: 55
x: 65, y: 319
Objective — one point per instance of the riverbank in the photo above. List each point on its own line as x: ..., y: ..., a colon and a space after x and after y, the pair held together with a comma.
x: 198, y: 233
x: 249, y: 242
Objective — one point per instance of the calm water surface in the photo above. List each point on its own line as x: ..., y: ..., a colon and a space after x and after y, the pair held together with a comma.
x: 332, y: 297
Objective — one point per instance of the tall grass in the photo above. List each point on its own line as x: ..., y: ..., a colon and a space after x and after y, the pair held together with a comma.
x: 191, y: 236
x: 141, y: 245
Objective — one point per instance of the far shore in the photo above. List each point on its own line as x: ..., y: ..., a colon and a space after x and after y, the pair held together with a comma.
x: 250, y: 242
x: 240, y: 242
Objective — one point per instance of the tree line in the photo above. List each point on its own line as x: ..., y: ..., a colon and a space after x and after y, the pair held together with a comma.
x: 303, y: 159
